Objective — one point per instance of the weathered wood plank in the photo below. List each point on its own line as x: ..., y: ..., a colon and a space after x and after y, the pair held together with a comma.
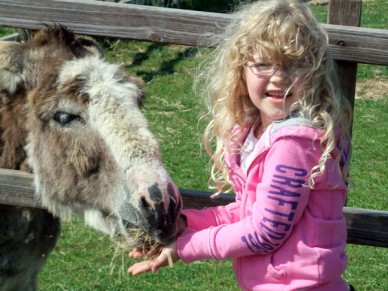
x: 365, y: 226
x: 16, y: 188
x: 362, y: 45
x: 199, y: 199
x: 345, y: 12
x: 113, y: 19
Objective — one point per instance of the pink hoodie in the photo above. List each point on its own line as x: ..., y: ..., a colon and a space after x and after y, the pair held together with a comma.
x: 280, y: 234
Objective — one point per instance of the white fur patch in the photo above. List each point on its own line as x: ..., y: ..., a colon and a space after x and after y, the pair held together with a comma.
x: 95, y: 219
x: 101, y: 78
x: 9, y: 81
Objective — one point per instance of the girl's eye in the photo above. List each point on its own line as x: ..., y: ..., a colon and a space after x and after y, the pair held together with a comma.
x: 64, y: 118
x: 261, y: 65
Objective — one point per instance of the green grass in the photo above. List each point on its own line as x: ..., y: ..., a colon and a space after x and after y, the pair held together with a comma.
x: 83, y: 258
x: 369, y: 173
x: 369, y: 169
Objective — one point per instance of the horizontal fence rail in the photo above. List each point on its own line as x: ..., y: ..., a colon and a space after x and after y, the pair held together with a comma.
x: 365, y: 226
x: 168, y: 25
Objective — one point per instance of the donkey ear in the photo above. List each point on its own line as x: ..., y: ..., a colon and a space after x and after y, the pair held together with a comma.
x: 11, y: 68
x: 139, y: 83
x: 141, y: 91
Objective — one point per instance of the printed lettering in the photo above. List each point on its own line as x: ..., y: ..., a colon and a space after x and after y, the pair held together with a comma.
x: 283, y: 192
x: 258, y: 244
x: 290, y: 216
x: 255, y: 245
x: 271, y: 233
x: 282, y: 202
x: 244, y: 240
x: 293, y: 183
x: 277, y: 224
x: 273, y: 230
x: 298, y: 171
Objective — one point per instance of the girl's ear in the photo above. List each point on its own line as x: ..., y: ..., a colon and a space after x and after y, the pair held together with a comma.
x: 11, y: 60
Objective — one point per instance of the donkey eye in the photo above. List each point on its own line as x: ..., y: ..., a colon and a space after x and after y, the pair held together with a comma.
x: 64, y: 118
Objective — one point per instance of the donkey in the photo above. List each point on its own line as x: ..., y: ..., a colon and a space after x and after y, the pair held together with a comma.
x: 75, y: 122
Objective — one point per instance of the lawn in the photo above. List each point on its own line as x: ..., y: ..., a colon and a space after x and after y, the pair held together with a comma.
x: 86, y: 260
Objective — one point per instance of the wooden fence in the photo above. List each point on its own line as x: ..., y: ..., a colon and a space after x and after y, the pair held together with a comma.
x: 350, y: 45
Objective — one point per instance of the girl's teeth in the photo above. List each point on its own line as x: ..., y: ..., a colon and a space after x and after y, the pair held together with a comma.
x: 275, y: 95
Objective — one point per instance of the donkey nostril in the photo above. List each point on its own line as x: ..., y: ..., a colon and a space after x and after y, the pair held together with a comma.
x: 144, y: 202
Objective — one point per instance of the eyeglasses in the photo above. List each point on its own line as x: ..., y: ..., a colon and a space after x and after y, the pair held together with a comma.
x: 264, y: 69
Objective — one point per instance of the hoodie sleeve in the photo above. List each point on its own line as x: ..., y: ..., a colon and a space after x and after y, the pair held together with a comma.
x: 280, y: 200
x: 212, y: 216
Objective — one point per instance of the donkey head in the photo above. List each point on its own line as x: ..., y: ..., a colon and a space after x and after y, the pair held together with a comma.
x: 88, y: 144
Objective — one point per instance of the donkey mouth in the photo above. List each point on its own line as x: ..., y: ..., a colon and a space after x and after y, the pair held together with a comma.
x: 147, y: 240
x: 161, y: 228
x: 156, y: 224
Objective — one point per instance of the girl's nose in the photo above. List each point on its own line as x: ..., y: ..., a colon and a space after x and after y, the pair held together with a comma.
x: 280, y: 76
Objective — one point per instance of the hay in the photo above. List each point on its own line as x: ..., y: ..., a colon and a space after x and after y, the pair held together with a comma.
x: 135, y: 237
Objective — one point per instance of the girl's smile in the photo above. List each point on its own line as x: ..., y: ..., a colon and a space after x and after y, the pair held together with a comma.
x: 278, y: 96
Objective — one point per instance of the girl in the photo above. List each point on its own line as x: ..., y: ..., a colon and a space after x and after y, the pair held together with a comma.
x: 280, y: 128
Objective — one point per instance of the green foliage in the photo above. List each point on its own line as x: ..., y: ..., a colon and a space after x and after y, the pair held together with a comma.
x: 222, y: 6
x: 6, y: 31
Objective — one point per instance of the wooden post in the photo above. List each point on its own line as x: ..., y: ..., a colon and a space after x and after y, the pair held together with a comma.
x: 345, y: 12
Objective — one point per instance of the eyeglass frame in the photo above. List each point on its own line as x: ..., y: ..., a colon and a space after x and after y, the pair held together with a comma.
x: 273, y: 69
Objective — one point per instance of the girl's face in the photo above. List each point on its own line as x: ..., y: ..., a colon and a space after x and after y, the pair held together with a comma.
x: 272, y: 89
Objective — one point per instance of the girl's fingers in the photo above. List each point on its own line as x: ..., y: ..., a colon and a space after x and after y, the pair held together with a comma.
x: 140, y: 268
x: 167, y: 256
x: 151, y: 265
x: 152, y: 254
x: 160, y: 261
x: 135, y: 254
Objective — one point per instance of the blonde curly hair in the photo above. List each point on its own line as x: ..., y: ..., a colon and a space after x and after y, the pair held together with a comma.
x: 287, y: 32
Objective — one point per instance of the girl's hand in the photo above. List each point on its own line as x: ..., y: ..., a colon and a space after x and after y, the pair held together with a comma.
x: 137, y: 253
x: 167, y: 256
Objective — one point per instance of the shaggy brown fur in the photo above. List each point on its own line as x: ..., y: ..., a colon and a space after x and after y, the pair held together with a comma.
x: 74, y: 121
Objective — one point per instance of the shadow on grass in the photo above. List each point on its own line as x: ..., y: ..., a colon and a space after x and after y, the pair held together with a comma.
x: 167, y: 67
